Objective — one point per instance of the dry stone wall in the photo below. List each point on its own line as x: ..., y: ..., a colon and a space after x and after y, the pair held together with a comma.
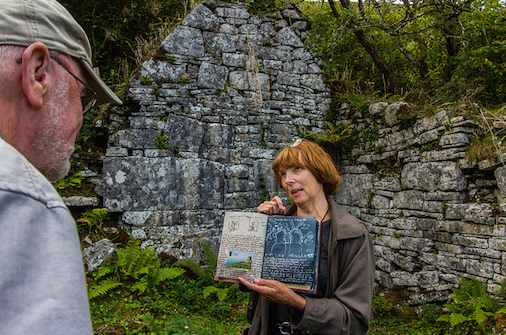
x: 225, y: 92
x: 429, y: 210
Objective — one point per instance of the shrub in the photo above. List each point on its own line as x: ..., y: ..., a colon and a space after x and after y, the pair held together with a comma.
x: 470, y: 308
x: 91, y: 220
x: 137, y: 268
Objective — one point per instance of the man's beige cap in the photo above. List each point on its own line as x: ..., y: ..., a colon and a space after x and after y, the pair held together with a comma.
x: 23, y: 22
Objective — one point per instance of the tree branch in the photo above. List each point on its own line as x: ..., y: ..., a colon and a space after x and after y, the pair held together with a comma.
x: 334, y: 9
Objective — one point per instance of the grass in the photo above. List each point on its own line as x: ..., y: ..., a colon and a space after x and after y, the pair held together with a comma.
x: 177, y: 307
x: 411, y: 323
x: 181, y: 297
x: 392, y: 316
x: 121, y: 313
x: 158, y: 294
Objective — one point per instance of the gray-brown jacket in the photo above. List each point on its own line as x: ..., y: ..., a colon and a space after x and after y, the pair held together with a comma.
x: 346, y: 306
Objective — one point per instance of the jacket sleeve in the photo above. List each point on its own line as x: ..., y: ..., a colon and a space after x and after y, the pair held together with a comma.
x: 351, y: 274
x: 42, y: 276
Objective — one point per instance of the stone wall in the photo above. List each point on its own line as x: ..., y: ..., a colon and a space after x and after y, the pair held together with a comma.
x: 429, y: 210
x: 229, y: 89
x: 226, y: 90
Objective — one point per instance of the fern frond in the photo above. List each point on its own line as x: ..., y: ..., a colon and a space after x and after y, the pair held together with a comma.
x: 221, y: 293
x: 140, y: 286
x: 128, y: 256
x: 472, y: 288
x: 468, y: 290
x: 144, y: 263
x: 104, y: 271
x: 190, y: 265
x: 104, y: 287
x: 487, y: 303
x: 151, y: 323
x: 470, y: 304
x: 210, y: 258
x: 501, y: 293
x: 481, y: 316
x: 166, y: 274
x: 145, y: 270
x: 502, y: 310
x: 444, y: 318
x: 208, y: 290
x: 457, y: 318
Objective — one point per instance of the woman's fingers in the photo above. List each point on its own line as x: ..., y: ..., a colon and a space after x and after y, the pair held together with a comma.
x: 272, y: 207
x: 267, y: 288
x: 276, y: 291
x: 279, y: 204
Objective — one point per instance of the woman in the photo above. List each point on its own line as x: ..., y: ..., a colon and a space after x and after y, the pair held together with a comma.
x: 308, y: 176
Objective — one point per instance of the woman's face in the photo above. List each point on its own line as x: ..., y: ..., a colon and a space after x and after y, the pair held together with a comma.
x: 301, y: 185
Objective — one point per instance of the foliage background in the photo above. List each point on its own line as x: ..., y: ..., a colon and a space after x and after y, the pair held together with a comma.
x: 119, y: 30
x: 473, y: 31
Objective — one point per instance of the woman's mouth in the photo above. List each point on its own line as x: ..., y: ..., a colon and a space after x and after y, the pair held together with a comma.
x: 296, y: 191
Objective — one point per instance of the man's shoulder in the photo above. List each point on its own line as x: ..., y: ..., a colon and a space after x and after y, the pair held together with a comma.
x: 18, y: 175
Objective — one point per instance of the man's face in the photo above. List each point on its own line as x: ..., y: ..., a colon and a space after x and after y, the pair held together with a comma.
x: 62, y: 121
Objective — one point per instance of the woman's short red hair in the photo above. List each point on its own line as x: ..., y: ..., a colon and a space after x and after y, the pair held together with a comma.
x: 313, y: 157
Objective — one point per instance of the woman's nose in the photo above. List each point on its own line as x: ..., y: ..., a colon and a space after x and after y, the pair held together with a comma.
x: 289, y: 178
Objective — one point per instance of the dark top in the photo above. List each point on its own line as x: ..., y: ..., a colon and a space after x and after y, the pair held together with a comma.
x: 282, y: 314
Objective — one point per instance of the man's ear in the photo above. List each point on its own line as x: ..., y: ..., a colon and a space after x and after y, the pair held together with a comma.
x: 35, y: 73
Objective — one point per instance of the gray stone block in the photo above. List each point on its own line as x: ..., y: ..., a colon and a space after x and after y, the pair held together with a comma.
x: 185, y: 41
x: 202, y: 18
x: 98, y: 254
x: 441, y: 176
x: 212, y: 76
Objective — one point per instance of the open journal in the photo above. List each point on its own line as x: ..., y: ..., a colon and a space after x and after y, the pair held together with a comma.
x: 283, y: 248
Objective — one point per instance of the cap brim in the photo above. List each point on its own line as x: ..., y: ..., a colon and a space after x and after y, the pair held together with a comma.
x: 105, y: 94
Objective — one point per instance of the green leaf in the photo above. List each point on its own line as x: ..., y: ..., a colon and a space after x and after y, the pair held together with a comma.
x: 104, y: 287
x: 221, y: 293
x: 481, y: 316
x: 208, y: 291
x: 128, y: 256
x: 502, y: 310
x: 167, y: 273
x: 151, y: 323
x: 190, y: 265
x: 457, y: 318
x: 140, y: 286
x: 444, y: 318
x: 210, y: 258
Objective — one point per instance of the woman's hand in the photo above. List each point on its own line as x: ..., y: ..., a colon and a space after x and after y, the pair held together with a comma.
x: 276, y: 291
x: 273, y: 207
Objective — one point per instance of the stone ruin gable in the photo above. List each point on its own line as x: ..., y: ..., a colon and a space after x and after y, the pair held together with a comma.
x: 227, y: 90
x: 428, y: 209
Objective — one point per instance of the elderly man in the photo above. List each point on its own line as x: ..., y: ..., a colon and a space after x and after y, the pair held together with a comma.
x: 46, y: 83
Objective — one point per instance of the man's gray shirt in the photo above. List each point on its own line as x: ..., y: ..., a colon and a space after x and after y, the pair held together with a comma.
x: 42, y: 282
